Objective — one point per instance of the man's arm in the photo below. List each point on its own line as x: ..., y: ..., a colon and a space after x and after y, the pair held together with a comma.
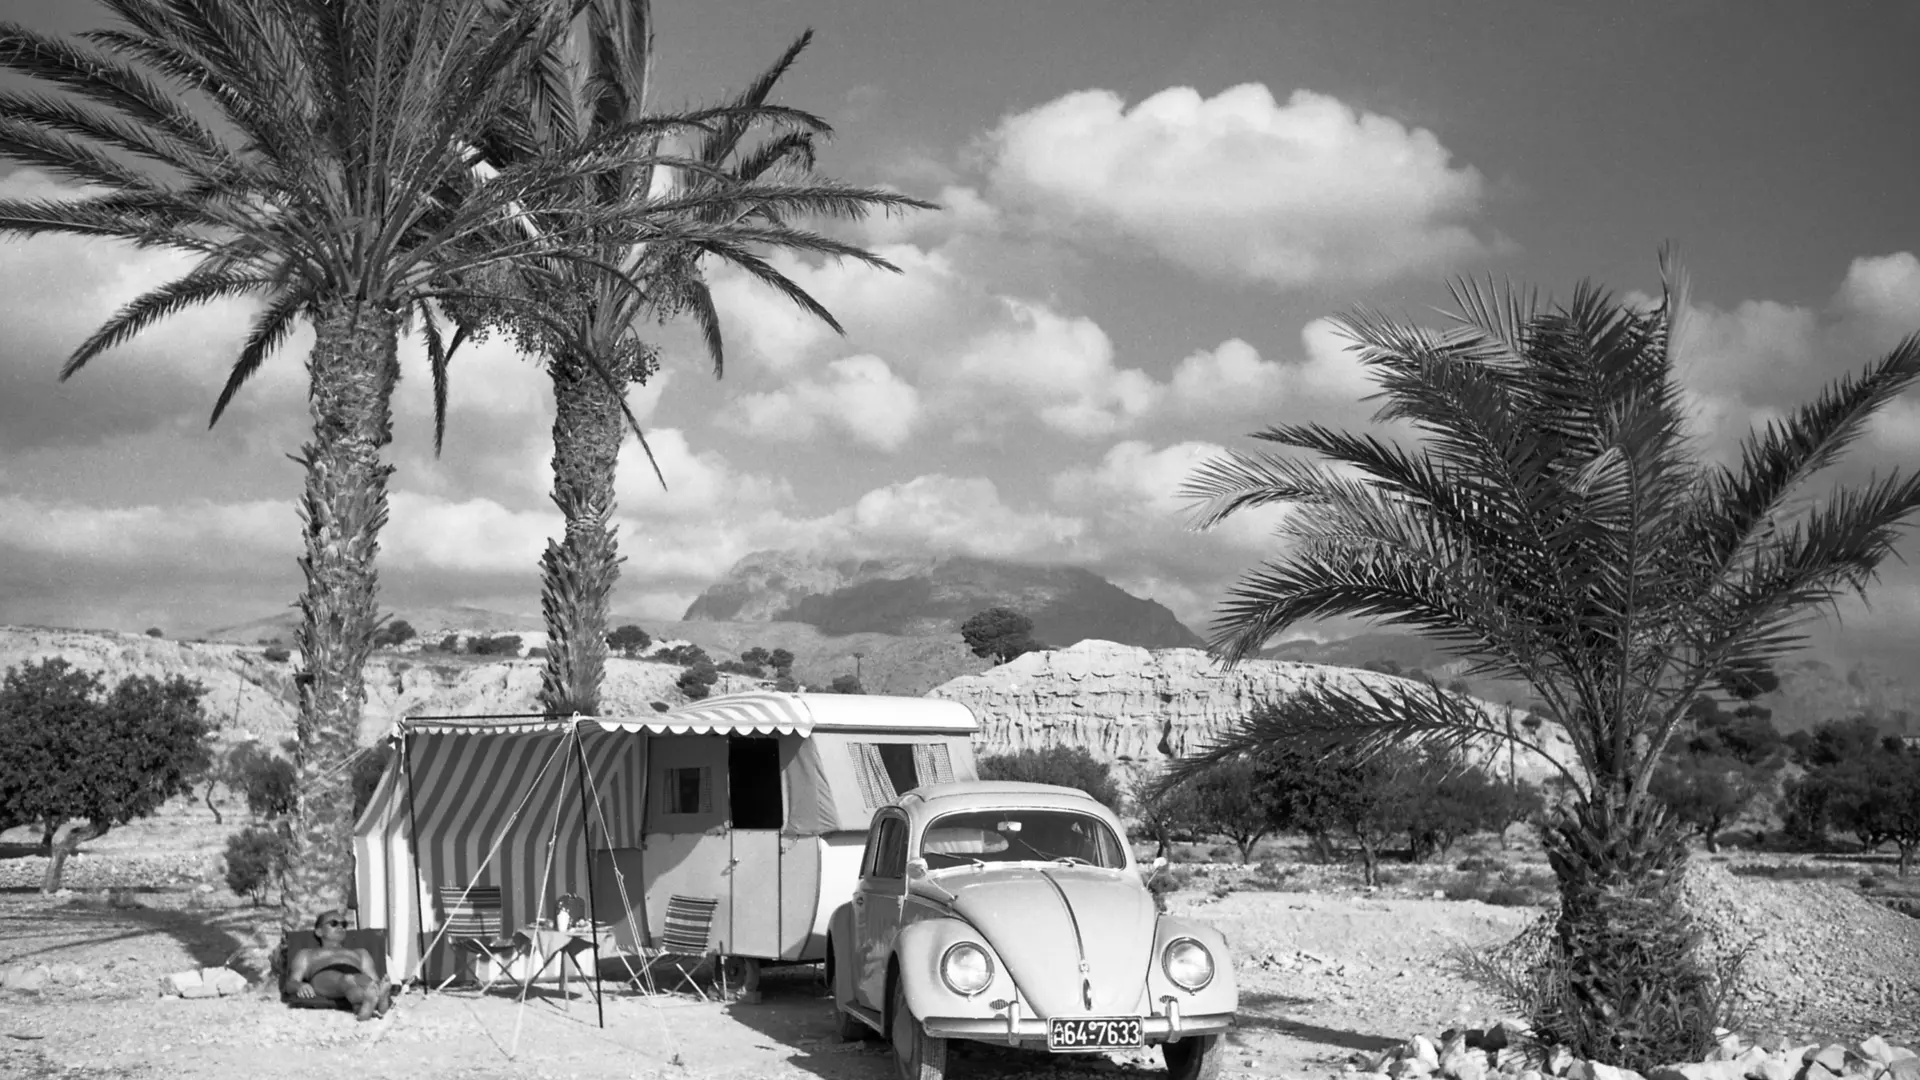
x: 296, y: 981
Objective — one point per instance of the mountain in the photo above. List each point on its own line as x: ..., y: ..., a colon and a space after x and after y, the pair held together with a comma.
x: 1835, y: 675
x: 428, y: 622
x: 932, y: 596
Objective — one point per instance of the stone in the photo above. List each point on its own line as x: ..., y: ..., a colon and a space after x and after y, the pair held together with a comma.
x: 181, y: 981
x: 1580, y: 1070
x: 1906, y: 1068
x: 1602, y: 1071
x: 1834, y: 1057
x: 201, y: 991
x: 1409, y: 1067
x: 24, y: 978
x: 1875, y: 1048
x: 1425, y: 1051
x: 226, y: 981
x: 1559, y: 1061
x: 1773, y: 1069
x: 1730, y: 1047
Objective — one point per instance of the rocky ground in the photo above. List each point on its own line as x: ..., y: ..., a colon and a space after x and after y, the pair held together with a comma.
x: 1329, y: 974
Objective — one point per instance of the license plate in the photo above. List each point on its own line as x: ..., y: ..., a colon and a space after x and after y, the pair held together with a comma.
x: 1071, y: 1035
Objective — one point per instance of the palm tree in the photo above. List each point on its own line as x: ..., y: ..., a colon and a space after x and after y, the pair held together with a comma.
x: 587, y: 329
x: 1553, y: 522
x: 317, y: 155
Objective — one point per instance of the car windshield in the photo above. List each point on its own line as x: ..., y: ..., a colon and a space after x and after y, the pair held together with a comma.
x: 990, y: 836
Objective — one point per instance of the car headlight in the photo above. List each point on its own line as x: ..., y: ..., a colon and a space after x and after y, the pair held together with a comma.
x: 1188, y: 964
x: 967, y: 968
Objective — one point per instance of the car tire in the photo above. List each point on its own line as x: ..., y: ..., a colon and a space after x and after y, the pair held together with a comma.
x: 1196, y: 1057
x: 919, y: 1055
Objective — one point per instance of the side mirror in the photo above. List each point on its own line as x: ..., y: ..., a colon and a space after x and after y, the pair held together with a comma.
x: 917, y: 868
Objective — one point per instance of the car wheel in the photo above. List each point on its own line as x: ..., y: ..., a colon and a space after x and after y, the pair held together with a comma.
x: 1196, y: 1057
x: 845, y: 1025
x: 919, y: 1055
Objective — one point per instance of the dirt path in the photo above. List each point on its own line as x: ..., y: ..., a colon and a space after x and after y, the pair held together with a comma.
x: 1300, y: 1016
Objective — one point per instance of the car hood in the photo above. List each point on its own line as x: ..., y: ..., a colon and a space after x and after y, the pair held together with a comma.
x: 1044, y: 923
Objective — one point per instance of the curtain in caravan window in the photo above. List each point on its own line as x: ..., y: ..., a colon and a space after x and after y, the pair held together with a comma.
x: 870, y: 773
x: 932, y: 763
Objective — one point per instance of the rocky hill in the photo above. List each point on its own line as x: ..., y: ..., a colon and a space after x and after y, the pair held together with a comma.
x: 250, y: 696
x: 933, y: 595
x: 1137, y: 708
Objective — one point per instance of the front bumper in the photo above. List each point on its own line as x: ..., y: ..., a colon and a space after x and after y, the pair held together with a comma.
x: 1032, y: 1031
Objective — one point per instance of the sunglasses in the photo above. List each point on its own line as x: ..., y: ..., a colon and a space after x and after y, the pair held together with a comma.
x: 334, y: 922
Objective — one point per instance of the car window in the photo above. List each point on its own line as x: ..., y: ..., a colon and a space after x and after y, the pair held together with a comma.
x: 872, y: 851
x: 1020, y: 835
x: 887, y: 853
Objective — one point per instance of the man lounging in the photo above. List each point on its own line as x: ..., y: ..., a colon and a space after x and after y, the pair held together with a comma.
x: 334, y: 971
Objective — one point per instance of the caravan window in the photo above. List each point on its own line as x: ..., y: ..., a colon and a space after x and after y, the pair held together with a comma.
x: 884, y: 770
x: 688, y: 791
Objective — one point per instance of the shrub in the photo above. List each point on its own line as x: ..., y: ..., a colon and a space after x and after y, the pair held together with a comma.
x: 1067, y: 766
x: 367, y: 770
x: 697, y: 681
x: 1001, y: 633
x: 628, y: 640
x: 1166, y: 882
x: 276, y: 654
x: 266, y: 781
x: 741, y: 667
x: 256, y: 858
x: 685, y: 655
x: 503, y: 645
x: 154, y: 631
x: 846, y: 684
x: 397, y: 632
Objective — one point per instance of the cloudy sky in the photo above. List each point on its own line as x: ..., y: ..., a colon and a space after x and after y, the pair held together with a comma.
x: 1149, y: 211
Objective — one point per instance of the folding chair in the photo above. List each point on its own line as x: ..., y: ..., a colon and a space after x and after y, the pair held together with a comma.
x: 374, y: 940
x: 688, y: 937
x: 472, y: 921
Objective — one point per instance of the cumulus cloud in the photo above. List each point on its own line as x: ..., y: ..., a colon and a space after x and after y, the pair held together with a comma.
x: 871, y: 304
x: 860, y: 396
x: 1749, y: 363
x: 1239, y: 186
x: 1061, y: 368
x: 963, y: 515
x: 1233, y: 379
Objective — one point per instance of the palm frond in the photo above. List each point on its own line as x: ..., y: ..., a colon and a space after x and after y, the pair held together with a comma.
x: 204, y: 284
x: 269, y: 331
x: 1386, y: 713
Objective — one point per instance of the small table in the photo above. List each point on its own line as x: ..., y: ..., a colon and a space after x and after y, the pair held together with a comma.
x: 542, y: 945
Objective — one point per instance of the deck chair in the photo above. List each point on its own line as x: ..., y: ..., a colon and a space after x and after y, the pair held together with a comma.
x: 687, y: 940
x: 373, y: 940
x: 471, y: 918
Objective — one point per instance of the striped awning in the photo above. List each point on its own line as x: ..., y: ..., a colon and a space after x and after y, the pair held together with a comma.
x: 763, y: 713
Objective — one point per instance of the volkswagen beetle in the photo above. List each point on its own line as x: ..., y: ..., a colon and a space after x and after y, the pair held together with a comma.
x: 1015, y: 913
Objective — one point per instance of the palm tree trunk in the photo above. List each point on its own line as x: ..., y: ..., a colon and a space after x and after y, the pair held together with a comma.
x: 1632, y: 980
x: 351, y: 372
x: 578, y: 572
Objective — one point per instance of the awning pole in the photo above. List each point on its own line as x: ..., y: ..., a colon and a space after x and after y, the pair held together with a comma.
x: 413, y: 845
x: 586, y: 841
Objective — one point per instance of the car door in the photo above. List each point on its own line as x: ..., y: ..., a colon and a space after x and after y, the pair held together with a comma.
x: 877, y: 902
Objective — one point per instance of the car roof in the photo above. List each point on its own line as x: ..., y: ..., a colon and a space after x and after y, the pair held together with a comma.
x: 940, y: 798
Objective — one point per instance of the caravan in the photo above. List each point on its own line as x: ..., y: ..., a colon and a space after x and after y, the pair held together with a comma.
x: 753, y: 806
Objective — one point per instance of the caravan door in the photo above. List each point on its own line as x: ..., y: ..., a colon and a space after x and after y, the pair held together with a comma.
x: 758, y: 813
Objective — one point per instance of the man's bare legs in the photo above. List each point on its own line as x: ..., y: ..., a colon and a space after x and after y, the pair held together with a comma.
x: 368, y: 998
